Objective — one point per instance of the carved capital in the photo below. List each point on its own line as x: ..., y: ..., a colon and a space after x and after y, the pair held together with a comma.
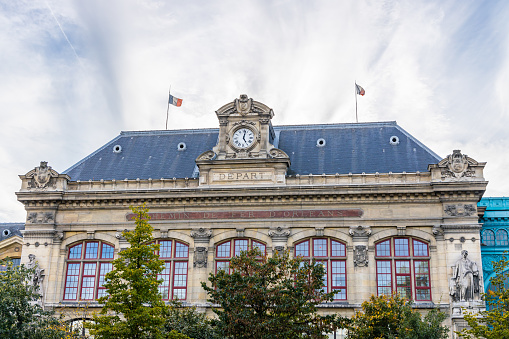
x: 279, y: 233
x: 201, y: 235
x: 360, y: 231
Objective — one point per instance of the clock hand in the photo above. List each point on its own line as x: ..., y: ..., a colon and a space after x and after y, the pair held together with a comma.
x: 244, y: 137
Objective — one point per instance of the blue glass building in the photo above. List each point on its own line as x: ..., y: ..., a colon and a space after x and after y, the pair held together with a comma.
x: 494, y: 233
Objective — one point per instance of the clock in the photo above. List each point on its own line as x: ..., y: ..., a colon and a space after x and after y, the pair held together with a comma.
x: 243, y: 138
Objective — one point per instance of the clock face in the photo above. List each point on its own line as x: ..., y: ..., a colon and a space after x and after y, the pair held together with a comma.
x: 243, y: 138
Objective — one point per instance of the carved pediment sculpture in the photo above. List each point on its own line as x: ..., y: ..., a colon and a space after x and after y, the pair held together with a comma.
x: 457, y: 166
x: 42, y: 177
x: 277, y: 153
x: 207, y: 155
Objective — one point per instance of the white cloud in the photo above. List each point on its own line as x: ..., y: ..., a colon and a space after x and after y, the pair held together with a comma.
x: 439, y: 68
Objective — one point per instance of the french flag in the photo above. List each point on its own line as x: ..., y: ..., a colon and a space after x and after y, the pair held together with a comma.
x: 175, y: 101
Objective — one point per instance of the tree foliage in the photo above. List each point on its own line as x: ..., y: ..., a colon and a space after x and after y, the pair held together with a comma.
x: 134, y: 308
x: 494, y: 322
x: 393, y: 317
x: 273, y: 298
x: 21, y: 316
x: 188, y: 321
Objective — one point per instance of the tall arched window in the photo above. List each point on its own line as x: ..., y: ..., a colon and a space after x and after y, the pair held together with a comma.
x: 502, y: 238
x: 175, y: 255
x: 488, y: 238
x: 332, y: 255
x: 87, y: 264
x: 230, y: 248
x: 402, y: 266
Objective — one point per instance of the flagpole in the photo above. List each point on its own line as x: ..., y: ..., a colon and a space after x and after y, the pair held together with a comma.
x: 356, y: 117
x: 168, y: 109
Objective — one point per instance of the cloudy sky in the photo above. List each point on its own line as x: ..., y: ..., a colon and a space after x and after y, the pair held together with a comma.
x: 73, y: 74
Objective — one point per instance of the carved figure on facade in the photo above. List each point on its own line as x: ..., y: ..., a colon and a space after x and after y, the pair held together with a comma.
x: 41, y: 177
x: 464, y: 284
x: 360, y: 256
x: 200, y: 257
x: 457, y: 165
x: 360, y: 231
x: 460, y: 210
x: 38, y: 274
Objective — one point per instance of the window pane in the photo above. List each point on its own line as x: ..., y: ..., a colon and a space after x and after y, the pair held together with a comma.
x: 241, y: 245
x: 338, y: 249
x: 223, y: 250
x: 91, y: 250
x: 165, y: 249
x: 403, y: 280
x: 181, y: 250
x: 338, y: 279
x: 259, y: 246
x: 222, y: 265
x: 164, y: 288
x: 502, y: 238
x: 488, y: 238
x: 88, y: 282
x: 319, y: 247
x: 384, y: 277
x: 107, y: 251
x: 105, y: 268
x: 383, y: 249
x: 180, y: 280
x: 302, y: 249
x: 75, y: 252
x: 71, y: 281
x: 401, y: 248
x: 420, y: 248
x: 422, y: 283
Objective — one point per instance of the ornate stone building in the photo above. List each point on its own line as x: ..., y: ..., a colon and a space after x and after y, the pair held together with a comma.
x: 11, y: 242
x: 381, y: 211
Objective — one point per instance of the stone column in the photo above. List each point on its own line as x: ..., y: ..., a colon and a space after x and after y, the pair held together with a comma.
x: 361, y: 284
x: 200, y: 258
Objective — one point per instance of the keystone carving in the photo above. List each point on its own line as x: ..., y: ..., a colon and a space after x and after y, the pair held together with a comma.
x: 460, y: 210
x: 360, y: 231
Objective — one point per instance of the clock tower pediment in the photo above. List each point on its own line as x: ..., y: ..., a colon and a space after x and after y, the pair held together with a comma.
x: 244, y: 152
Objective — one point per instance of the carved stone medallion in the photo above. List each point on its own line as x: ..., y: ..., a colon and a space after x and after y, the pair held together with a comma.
x: 360, y: 256
x: 200, y: 257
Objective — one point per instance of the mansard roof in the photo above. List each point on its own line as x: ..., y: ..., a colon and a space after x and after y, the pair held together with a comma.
x: 11, y: 229
x: 313, y: 149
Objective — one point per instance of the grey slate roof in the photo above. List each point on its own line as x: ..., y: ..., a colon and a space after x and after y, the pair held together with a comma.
x: 11, y: 229
x: 349, y: 148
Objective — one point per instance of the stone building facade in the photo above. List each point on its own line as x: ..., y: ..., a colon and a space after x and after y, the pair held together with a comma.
x: 382, y: 212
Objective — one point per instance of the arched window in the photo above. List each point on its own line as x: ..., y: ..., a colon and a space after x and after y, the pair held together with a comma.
x: 175, y: 255
x: 332, y: 255
x: 502, y: 238
x: 230, y: 248
x: 87, y: 264
x: 402, y: 266
x: 488, y: 238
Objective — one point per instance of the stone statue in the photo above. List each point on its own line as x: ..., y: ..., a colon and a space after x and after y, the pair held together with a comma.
x: 38, y: 275
x: 464, y: 284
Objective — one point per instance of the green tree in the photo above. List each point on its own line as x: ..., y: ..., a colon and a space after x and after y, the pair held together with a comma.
x: 494, y: 322
x: 273, y: 298
x: 20, y: 314
x: 188, y: 321
x: 133, y: 308
x: 393, y: 317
